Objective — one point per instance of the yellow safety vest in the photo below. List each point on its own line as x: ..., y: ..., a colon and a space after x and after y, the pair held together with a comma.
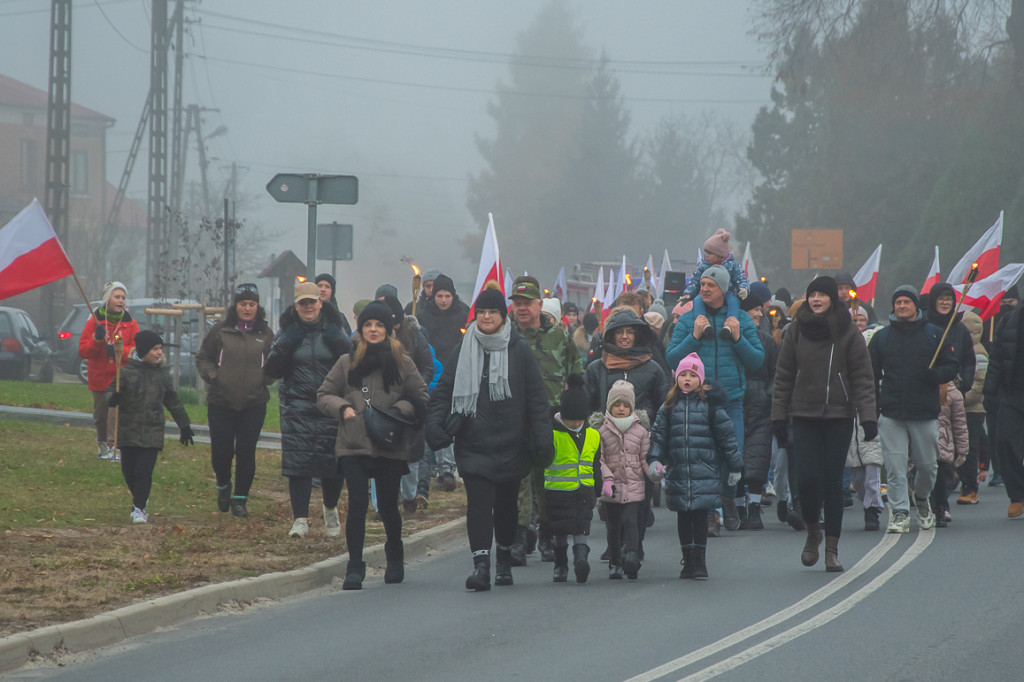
x: 571, y: 468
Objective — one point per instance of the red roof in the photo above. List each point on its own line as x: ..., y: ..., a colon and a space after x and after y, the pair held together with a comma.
x: 24, y: 95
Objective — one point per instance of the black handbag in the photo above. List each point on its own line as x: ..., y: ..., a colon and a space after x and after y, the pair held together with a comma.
x: 384, y: 428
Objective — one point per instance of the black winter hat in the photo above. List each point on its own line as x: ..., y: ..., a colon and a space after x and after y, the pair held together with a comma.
x: 1012, y: 293
x: 377, y: 310
x: 247, y: 291
x: 751, y: 301
x: 590, y: 323
x: 396, y: 309
x: 782, y: 293
x: 444, y: 283
x: 905, y: 290
x: 574, y: 403
x: 489, y: 299
x: 826, y: 285
x: 570, y: 308
x: 145, y: 340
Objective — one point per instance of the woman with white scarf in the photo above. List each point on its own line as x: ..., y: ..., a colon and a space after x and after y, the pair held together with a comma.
x: 492, y: 403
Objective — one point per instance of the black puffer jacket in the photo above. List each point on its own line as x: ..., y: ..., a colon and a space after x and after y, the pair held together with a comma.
x: 504, y: 439
x: 695, y: 440
x: 650, y: 382
x: 757, y: 413
x: 444, y: 327
x: 959, y: 338
x: 1005, y: 378
x: 900, y: 353
x: 302, y: 362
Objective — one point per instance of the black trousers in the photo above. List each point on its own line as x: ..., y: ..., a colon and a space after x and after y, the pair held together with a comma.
x: 819, y: 449
x: 968, y: 471
x: 233, y: 437
x: 137, y: 466
x: 492, y: 511
x: 300, y: 490
x: 1010, y: 449
x: 943, y: 486
x: 622, y: 528
x: 387, y: 473
x: 692, y: 527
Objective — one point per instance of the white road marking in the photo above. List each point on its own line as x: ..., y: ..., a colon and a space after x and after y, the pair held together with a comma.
x: 873, y: 556
x: 923, y: 540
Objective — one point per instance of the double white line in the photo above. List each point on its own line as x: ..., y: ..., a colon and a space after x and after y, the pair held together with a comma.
x: 887, y: 542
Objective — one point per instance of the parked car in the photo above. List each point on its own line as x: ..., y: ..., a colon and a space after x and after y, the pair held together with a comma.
x: 66, y: 358
x: 24, y: 354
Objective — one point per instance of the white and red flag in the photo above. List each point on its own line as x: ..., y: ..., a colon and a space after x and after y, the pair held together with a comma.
x: 933, y: 277
x: 30, y: 253
x: 987, y: 294
x: 610, y: 294
x: 866, y: 278
x: 490, y: 265
x: 558, y: 290
x: 623, y: 277
x: 748, y: 265
x: 599, y: 288
x: 985, y: 253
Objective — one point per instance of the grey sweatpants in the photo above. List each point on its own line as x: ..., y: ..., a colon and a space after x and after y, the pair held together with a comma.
x: 904, y: 441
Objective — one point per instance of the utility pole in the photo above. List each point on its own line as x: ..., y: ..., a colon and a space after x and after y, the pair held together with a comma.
x: 157, y: 234
x: 178, y: 150
x: 58, y: 146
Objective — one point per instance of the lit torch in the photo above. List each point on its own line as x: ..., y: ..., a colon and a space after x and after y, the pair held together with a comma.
x: 415, y: 286
x: 118, y: 352
x: 647, y: 278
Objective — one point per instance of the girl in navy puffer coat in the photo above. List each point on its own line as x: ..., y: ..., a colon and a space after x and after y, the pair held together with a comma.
x: 692, y: 440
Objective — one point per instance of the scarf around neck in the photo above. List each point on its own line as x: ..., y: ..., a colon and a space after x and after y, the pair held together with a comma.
x: 378, y: 357
x: 469, y: 370
x: 614, y: 357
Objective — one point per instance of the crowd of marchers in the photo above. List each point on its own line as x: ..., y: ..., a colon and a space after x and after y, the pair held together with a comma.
x: 734, y: 399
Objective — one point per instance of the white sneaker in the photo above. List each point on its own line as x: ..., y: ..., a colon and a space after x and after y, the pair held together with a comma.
x: 332, y: 522
x: 115, y: 455
x: 925, y: 517
x: 139, y: 515
x: 769, y: 490
x: 103, y: 451
x: 900, y: 523
x: 300, y: 529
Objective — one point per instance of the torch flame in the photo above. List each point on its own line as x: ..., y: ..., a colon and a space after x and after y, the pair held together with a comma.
x: 629, y: 279
x: 853, y: 293
x: 415, y: 270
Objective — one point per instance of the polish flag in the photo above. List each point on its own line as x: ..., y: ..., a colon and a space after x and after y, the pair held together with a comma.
x: 30, y: 253
x: 987, y: 294
x: 748, y: 265
x: 985, y: 253
x: 666, y: 265
x: 490, y: 265
x: 599, y: 288
x: 866, y: 278
x: 609, y: 298
x: 623, y: 276
x: 933, y: 275
x: 558, y: 291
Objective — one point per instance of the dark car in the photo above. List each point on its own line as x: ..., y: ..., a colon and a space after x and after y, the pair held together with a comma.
x: 24, y: 354
x: 67, y: 360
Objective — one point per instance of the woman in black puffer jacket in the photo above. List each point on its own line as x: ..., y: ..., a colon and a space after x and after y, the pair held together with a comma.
x: 308, y: 343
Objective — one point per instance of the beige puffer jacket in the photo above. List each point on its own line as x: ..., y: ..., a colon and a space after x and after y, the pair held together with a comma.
x: 953, y: 441
x: 624, y: 459
x: 973, y: 397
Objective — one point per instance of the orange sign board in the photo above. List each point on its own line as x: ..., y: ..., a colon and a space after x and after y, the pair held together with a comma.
x: 817, y: 250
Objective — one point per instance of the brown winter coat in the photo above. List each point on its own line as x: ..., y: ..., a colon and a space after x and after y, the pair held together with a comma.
x: 409, y: 399
x: 952, y: 426
x: 973, y: 397
x: 624, y: 459
x: 231, y: 363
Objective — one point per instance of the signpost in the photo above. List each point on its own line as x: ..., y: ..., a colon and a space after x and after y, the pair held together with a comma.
x: 334, y: 243
x: 817, y: 250
x: 313, y: 189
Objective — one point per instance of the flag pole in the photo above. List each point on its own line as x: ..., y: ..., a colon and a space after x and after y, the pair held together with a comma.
x: 971, y: 276
x: 82, y: 291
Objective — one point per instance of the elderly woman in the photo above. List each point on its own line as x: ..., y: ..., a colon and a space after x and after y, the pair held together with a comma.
x: 230, y: 360
x: 96, y: 346
x: 307, y: 345
x: 492, y: 402
x: 823, y: 380
x: 376, y: 376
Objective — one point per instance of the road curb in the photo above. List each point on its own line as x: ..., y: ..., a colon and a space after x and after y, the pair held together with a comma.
x: 138, y: 619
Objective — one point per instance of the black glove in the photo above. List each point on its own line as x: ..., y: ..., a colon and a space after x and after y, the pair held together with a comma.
x: 870, y: 430
x: 100, y: 333
x: 115, y: 399
x: 933, y: 377
x: 111, y: 351
x: 781, y: 429
x: 186, y: 437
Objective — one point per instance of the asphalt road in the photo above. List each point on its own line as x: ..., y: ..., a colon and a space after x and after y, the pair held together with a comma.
x: 942, y: 604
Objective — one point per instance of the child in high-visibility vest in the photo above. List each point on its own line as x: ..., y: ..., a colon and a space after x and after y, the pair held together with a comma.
x: 692, y: 439
x: 569, y: 482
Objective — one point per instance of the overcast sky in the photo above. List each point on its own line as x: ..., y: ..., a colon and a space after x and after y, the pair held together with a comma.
x: 337, y: 86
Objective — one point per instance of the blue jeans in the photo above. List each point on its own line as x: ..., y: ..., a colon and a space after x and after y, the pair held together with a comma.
x: 410, y: 482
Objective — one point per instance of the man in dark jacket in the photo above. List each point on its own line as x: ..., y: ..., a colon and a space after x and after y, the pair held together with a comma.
x: 907, y: 386
x: 1004, y: 384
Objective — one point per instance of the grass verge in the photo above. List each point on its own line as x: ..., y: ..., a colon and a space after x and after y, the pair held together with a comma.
x: 70, y: 551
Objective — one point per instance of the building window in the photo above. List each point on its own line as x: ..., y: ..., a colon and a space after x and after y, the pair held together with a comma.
x: 29, y: 163
x: 80, y: 173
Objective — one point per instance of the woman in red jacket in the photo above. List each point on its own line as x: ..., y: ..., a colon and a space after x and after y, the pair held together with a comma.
x: 96, y: 345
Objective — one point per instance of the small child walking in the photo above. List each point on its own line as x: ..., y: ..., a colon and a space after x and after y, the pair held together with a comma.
x: 623, y: 455
x: 718, y: 252
x: 692, y: 440
x: 146, y: 389
x: 569, y: 482
x: 954, y: 444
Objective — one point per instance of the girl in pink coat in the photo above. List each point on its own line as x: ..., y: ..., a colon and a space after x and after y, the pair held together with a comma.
x: 624, y: 444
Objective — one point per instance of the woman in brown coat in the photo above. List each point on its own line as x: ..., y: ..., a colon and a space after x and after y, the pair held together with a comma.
x: 376, y: 372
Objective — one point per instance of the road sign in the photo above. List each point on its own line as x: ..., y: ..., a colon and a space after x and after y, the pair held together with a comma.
x: 333, y: 242
x: 817, y: 250
x: 305, y: 188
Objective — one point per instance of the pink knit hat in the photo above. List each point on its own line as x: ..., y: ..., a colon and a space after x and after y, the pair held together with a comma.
x: 691, y: 362
x: 718, y: 243
x: 681, y: 308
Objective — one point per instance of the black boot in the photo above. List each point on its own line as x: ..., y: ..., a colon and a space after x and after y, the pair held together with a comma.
x: 782, y: 510
x: 795, y: 519
x: 394, y: 572
x: 238, y: 507
x: 580, y: 565
x: 730, y: 515
x: 545, y: 544
x: 518, y: 548
x: 503, y: 567
x: 224, y: 498
x: 871, y: 515
x: 531, y: 539
x: 700, y: 565
x: 561, y: 573
x: 753, y: 520
x: 687, y: 562
x: 480, y: 579
x: 631, y: 565
x: 354, y: 574
x: 741, y: 512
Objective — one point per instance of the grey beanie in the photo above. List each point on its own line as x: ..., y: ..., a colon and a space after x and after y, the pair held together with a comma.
x: 431, y: 274
x: 720, y: 276
x: 907, y: 291
x: 386, y: 290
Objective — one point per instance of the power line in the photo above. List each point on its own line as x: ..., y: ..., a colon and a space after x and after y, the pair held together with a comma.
x: 47, y: 9
x: 97, y: 3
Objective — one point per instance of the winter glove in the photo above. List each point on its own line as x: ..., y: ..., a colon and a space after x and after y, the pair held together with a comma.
x: 100, y: 333
x: 781, y: 430
x: 870, y: 430
x: 607, y: 489
x: 734, y: 478
x: 656, y: 471
x: 933, y: 377
x: 186, y: 437
x: 743, y: 293
x: 115, y: 399
x: 111, y: 351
